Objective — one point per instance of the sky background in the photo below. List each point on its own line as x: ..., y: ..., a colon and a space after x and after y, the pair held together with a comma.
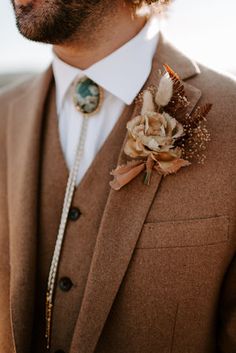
x: 203, y: 29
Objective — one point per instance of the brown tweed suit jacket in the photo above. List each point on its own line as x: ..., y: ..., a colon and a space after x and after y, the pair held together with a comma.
x: 163, y: 273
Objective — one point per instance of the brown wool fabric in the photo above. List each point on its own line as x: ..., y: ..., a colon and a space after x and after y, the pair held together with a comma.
x: 153, y: 268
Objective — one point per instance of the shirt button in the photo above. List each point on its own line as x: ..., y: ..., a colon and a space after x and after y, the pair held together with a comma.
x: 65, y: 284
x: 74, y: 214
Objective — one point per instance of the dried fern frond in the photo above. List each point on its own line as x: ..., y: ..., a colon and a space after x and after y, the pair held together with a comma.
x: 198, y: 115
x: 204, y: 111
x: 178, y: 85
x: 179, y: 101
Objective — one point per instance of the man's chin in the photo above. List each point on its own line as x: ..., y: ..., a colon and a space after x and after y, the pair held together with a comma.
x: 51, y: 21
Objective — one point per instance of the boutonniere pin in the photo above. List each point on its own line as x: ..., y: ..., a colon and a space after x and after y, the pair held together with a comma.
x: 163, y: 138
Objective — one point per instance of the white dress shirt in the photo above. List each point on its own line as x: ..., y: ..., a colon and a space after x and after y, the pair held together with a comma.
x: 121, y: 75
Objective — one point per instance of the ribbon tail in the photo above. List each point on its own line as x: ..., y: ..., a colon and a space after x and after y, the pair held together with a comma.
x: 123, y: 175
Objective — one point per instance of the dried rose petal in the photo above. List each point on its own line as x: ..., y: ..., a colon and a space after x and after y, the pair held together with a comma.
x: 171, y: 167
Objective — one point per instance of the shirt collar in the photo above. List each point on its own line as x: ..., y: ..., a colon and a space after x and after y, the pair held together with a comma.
x: 122, y: 73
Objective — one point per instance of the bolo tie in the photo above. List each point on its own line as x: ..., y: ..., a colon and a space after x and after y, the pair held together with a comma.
x: 87, y: 99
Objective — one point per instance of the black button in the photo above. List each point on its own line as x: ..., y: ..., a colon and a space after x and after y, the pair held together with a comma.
x: 65, y: 284
x: 74, y: 214
x: 60, y: 351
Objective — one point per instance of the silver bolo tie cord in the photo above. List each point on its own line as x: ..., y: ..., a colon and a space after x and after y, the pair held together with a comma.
x: 87, y: 99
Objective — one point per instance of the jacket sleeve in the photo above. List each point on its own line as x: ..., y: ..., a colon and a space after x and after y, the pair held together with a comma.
x: 227, y: 333
x: 5, y: 326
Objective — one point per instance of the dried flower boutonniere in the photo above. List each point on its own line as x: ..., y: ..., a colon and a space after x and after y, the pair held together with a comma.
x: 164, y: 137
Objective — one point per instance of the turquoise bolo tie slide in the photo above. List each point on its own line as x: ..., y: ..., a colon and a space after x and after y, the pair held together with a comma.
x: 88, y: 96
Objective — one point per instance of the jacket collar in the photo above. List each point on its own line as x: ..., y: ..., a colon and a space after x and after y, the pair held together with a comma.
x: 114, y: 246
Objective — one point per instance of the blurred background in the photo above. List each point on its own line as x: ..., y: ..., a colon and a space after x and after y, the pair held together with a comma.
x: 203, y: 29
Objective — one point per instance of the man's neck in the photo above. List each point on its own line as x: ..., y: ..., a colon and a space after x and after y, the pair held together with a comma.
x: 115, y: 32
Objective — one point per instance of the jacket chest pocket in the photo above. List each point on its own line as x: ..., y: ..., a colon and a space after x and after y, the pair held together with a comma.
x: 173, y: 278
x: 186, y: 233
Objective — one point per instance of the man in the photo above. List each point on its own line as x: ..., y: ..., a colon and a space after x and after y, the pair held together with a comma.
x: 143, y: 269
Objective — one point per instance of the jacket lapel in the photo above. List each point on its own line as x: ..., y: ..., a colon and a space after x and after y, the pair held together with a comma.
x: 122, y: 223
x: 24, y: 131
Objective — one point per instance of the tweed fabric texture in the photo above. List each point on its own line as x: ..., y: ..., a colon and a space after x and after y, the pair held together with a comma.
x: 163, y: 268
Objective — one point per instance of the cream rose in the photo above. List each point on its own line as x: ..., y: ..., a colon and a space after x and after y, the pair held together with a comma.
x: 152, y: 134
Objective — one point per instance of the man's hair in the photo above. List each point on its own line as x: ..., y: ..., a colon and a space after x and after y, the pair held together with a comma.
x: 139, y: 3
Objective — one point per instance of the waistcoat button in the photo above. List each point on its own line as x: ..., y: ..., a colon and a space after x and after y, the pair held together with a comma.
x: 74, y: 214
x: 65, y: 284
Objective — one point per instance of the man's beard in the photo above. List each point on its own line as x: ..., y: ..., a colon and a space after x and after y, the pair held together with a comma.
x: 60, y: 21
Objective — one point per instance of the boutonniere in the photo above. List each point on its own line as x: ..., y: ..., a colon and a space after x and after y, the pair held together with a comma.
x: 164, y: 137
